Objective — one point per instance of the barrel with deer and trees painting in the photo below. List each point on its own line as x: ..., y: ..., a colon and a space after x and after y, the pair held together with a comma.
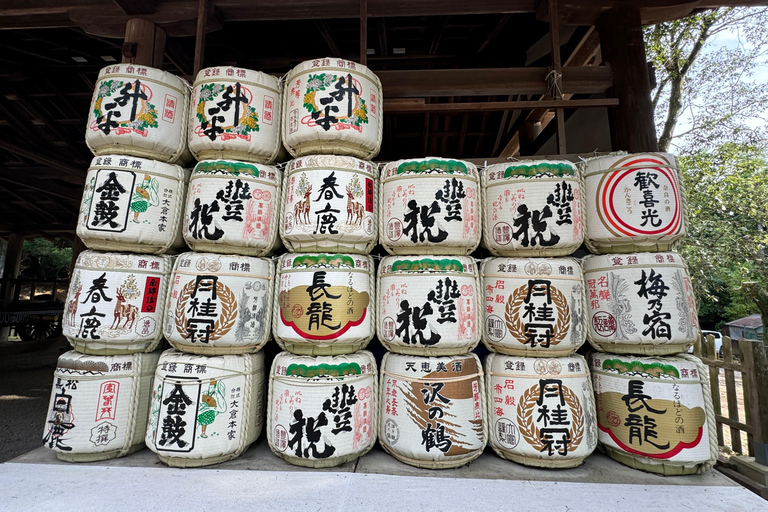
x: 205, y: 409
x: 115, y: 303
x: 99, y: 405
x: 330, y: 204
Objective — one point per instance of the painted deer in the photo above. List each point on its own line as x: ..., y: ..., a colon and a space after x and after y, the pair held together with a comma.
x: 301, y: 209
x: 354, y: 209
x: 123, y: 310
x: 72, y: 307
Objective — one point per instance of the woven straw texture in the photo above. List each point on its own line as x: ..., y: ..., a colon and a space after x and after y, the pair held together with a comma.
x: 430, y: 206
x: 323, y: 113
x: 132, y: 204
x: 541, y: 411
x: 115, y: 303
x: 429, y: 306
x: 235, y: 114
x: 532, y: 208
x: 634, y: 203
x: 232, y: 207
x: 655, y: 413
x: 219, y: 304
x: 330, y: 203
x: 117, y: 388
x: 324, y: 303
x: 432, y: 410
x: 139, y: 111
x: 640, y: 303
x: 534, y: 306
x: 337, y: 394
x: 221, y: 400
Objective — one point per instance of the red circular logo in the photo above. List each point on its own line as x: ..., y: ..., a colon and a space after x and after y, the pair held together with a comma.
x: 613, y: 419
x: 297, y: 311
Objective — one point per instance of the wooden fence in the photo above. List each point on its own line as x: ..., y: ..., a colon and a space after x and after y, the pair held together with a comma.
x: 739, y: 393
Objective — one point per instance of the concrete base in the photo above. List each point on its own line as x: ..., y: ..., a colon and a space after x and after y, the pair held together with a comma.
x: 376, y: 482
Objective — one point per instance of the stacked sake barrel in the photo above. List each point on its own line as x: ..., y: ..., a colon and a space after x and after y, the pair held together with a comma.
x: 432, y: 402
x: 208, y: 398
x: 132, y: 211
x: 654, y: 407
x: 323, y: 386
x: 539, y: 397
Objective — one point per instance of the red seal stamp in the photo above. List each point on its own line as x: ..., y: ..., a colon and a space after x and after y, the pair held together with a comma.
x: 297, y: 310
x: 604, y: 323
x: 613, y: 419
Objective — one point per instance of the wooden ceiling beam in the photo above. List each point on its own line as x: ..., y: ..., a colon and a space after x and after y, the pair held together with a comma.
x: 495, y: 32
x: 325, y: 31
x: 405, y: 107
x: 134, y: 7
x: 40, y: 157
x: 437, y: 34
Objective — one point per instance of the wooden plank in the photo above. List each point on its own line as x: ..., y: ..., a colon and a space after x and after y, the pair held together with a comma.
x: 490, y: 81
x: 495, y: 32
x: 364, y: 32
x: 202, y: 21
x: 401, y: 107
x: 731, y: 394
x: 733, y: 424
x: 754, y: 358
x: 42, y: 158
x: 133, y: 7
x: 714, y: 383
x: 556, y: 77
x: 144, y: 43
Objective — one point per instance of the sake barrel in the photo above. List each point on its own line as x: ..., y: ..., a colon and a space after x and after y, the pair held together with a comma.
x: 532, y: 208
x: 432, y: 410
x: 232, y: 207
x: 541, y: 410
x: 219, y: 304
x: 322, y: 410
x: 429, y: 306
x: 205, y: 409
x: 430, y: 206
x: 332, y: 106
x: 330, y: 204
x: 324, y: 303
x: 235, y: 114
x: 655, y: 413
x: 138, y: 110
x: 99, y: 405
x: 115, y: 302
x: 132, y: 204
x: 634, y: 203
x: 640, y: 303
x: 534, y: 307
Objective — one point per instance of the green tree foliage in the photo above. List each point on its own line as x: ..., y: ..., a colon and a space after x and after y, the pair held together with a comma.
x: 45, y: 259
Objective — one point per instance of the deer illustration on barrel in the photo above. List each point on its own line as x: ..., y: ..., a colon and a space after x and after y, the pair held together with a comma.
x: 124, y: 311
x: 72, y: 306
x: 301, y: 209
x: 354, y: 209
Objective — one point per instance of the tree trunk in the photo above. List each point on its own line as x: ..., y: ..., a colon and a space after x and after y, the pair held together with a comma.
x: 759, y: 296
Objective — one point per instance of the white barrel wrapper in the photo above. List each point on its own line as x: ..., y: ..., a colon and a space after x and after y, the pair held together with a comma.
x: 219, y: 304
x: 115, y: 302
x: 322, y: 410
x: 429, y: 306
x: 432, y: 409
x: 205, y: 409
x: 99, y: 405
x: 541, y: 411
x: 533, y: 306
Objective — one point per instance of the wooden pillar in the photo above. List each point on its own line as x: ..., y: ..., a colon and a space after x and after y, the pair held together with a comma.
x: 754, y: 359
x: 364, y: 32
x: 621, y: 41
x: 144, y: 43
x: 203, y: 6
x: 557, y: 74
x: 10, y: 271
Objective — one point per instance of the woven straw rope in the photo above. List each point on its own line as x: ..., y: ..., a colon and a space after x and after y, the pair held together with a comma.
x: 330, y: 461
x: 333, y: 348
x: 320, y: 146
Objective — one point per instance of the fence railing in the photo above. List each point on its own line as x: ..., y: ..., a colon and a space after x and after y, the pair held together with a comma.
x: 21, y: 289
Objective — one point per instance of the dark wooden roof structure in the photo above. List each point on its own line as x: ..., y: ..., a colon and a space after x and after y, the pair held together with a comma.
x: 467, y: 79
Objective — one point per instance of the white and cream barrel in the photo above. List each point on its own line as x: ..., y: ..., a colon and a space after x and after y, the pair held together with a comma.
x: 219, y: 304
x: 330, y: 203
x: 233, y: 207
x: 655, y: 413
x: 430, y: 206
x: 322, y: 410
x: 429, y: 306
x: 432, y: 409
x: 634, y: 203
x: 533, y: 306
x: 541, y: 411
x: 235, y: 114
x: 532, y: 208
x: 115, y: 303
x: 332, y: 106
x: 641, y: 303
x: 205, y: 409
x: 138, y: 110
x: 324, y: 303
x: 132, y: 204
x: 99, y: 405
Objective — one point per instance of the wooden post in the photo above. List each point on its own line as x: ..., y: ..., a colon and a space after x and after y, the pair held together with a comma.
x: 753, y: 357
x: 364, y: 32
x: 202, y: 20
x: 621, y: 41
x: 10, y: 271
x: 144, y: 43
x: 557, y: 78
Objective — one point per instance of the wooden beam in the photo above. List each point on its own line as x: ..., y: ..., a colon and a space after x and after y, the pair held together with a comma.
x: 438, y: 34
x: 403, y: 107
x: 495, y: 32
x: 364, y: 32
x: 557, y: 74
x: 134, y: 7
x: 144, y: 43
x: 490, y: 81
x: 383, y: 37
x: 325, y: 31
x: 202, y: 21
x: 39, y: 157
x: 18, y: 182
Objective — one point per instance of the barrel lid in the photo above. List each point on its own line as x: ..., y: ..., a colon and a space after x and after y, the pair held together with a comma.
x: 618, y: 161
x: 202, y: 367
x: 329, y: 162
x: 74, y: 363
x: 429, y: 165
x: 321, y: 260
x: 139, y: 165
x: 117, y: 261
x: 334, y: 64
x: 361, y: 362
x: 531, y: 267
x: 574, y: 365
x: 144, y: 72
x: 235, y: 74
x: 422, y: 264
x: 238, y: 169
x: 527, y: 169
x: 667, y: 368
x: 247, y: 266
x: 601, y: 262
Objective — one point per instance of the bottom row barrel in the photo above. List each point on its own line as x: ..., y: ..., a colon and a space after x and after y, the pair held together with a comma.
x: 653, y: 414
